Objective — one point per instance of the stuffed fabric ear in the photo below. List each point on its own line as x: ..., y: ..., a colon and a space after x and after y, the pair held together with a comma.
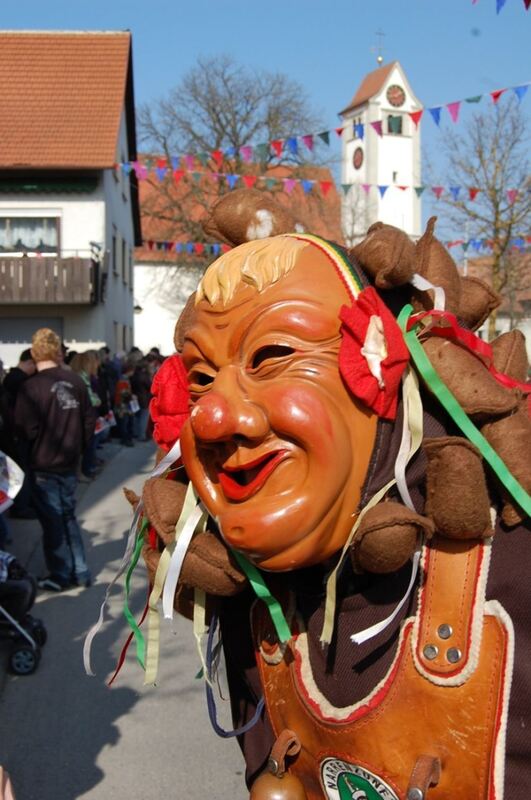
x: 434, y: 263
x: 387, y: 537
x: 163, y: 501
x: 132, y: 498
x: 476, y: 301
x: 510, y: 356
x: 247, y: 214
x: 387, y: 254
x: 170, y: 405
x: 473, y: 386
x: 457, y: 499
x: 184, y: 322
x: 511, y: 438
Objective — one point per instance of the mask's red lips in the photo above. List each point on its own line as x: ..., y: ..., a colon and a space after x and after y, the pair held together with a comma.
x: 240, y: 483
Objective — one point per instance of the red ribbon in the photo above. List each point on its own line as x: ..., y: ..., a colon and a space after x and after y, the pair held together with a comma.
x: 129, y: 639
x: 453, y: 331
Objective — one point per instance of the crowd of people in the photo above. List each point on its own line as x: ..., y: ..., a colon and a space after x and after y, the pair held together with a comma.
x: 57, y: 409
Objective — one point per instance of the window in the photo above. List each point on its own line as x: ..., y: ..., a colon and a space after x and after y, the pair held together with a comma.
x: 114, y: 252
x: 394, y: 124
x: 20, y: 235
x: 125, y: 264
x: 131, y: 269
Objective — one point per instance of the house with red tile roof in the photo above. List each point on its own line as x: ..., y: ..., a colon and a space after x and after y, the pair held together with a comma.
x: 173, y: 255
x: 69, y: 221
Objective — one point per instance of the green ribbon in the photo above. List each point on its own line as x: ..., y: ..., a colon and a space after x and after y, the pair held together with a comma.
x: 139, y: 638
x: 260, y: 589
x: 449, y: 402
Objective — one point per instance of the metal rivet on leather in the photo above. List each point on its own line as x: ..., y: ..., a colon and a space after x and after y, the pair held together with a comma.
x: 444, y: 631
x: 453, y: 655
x: 431, y: 651
x: 415, y: 794
x: 273, y: 766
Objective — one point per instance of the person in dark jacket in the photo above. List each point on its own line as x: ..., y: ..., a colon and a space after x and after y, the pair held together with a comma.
x: 53, y: 414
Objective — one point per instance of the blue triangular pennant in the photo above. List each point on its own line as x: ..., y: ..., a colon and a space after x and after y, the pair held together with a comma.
x: 232, y: 180
x: 454, y: 191
x: 520, y: 92
x: 291, y: 144
x: 216, y: 249
x: 499, y: 5
x: 190, y: 247
x: 359, y: 130
x: 436, y: 114
x: 126, y: 168
x: 230, y: 152
x: 175, y: 162
x: 307, y: 186
x: 382, y: 190
x: 161, y: 172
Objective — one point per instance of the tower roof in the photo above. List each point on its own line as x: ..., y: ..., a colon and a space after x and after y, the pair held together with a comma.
x: 370, y: 85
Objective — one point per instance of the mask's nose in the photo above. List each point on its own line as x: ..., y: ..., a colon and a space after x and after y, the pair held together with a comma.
x: 225, y: 413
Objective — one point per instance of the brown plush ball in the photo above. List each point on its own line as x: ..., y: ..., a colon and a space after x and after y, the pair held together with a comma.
x: 387, y: 254
x: 387, y: 537
x: 434, y: 263
x: 476, y: 301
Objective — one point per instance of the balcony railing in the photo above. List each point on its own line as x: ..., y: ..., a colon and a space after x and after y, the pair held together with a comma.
x: 48, y: 280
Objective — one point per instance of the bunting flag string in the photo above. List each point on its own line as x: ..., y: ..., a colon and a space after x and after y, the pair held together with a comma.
x: 292, y: 145
x: 307, y: 185
x: 519, y: 243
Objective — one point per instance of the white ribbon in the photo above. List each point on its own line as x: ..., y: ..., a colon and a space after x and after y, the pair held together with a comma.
x: 166, y: 462
x: 378, y: 627
x: 177, y: 558
x: 423, y: 285
x: 412, y: 431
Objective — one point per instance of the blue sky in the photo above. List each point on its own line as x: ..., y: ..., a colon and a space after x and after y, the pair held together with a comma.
x: 450, y: 49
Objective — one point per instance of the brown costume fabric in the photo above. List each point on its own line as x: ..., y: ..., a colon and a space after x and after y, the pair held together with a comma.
x: 476, y: 301
x: 387, y: 254
x: 510, y: 356
x: 163, y: 501
x: 434, y: 263
x: 511, y: 438
x: 474, y: 388
x: 457, y: 498
x: 387, y: 537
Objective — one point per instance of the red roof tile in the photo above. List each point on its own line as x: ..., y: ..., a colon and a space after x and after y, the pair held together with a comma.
x: 61, y: 98
x: 370, y: 85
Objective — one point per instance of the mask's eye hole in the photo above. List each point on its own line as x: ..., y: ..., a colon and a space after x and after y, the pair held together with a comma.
x: 201, y: 378
x: 271, y: 351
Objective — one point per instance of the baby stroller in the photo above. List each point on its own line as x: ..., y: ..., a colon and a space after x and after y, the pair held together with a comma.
x: 27, y: 634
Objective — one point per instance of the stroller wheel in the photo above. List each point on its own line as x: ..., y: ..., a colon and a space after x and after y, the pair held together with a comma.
x: 24, y: 660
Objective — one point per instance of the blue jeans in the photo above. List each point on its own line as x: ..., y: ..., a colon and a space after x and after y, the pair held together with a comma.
x: 55, y: 503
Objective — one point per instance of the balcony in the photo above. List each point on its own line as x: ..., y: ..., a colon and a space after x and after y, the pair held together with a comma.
x: 48, y: 280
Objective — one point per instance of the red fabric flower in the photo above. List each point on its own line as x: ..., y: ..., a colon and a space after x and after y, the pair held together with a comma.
x: 369, y: 326
x: 170, y: 404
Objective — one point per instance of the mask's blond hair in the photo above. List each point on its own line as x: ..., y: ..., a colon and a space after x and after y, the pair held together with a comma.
x: 259, y: 263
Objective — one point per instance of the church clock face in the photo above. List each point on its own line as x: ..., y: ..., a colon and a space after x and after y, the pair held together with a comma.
x: 357, y: 158
x: 396, y: 95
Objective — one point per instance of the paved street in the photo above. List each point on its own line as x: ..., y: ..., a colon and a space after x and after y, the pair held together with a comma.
x: 64, y: 735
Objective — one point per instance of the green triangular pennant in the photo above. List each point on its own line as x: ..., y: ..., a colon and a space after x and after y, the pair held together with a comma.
x: 419, y: 190
x: 346, y: 187
x: 204, y: 158
x: 261, y: 151
x: 324, y: 136
x: 270, y: 183
x: 475, y: 99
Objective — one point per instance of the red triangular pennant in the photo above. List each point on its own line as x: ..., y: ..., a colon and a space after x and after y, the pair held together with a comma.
x: 473, y: 192
x: 325, y: 187
x: 339, y: 131
x: 249, y: 180
x: 199, y: 248
x: 378, y: 127
x: 496, y: 95
x: 437, y: 191
x: 277, y: 146
x: 402, y: 187
x: 177, y: 175
x: 161, y: 163
x: 512, y: 194
x: 308, y: 141
x: 416, y: 116
x: 527, y: 3
x: 217, y: 155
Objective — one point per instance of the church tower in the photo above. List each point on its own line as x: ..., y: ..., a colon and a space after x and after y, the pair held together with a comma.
x: 386, y: 154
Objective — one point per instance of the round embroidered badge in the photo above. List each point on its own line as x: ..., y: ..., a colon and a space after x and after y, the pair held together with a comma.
x: 344, y: 781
